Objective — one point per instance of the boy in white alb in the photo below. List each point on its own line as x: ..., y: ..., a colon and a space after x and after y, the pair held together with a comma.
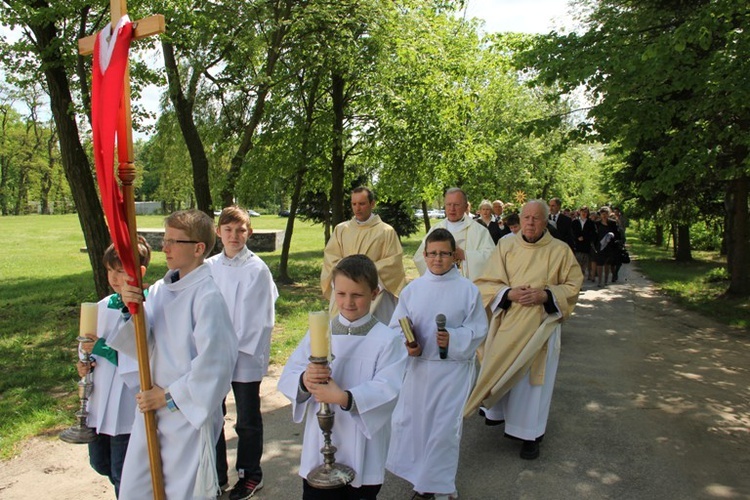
x: 250, y: 293
x: 362, y: 385
x: 440, y: 373
x: 193, y: 350
x: 111, y: 405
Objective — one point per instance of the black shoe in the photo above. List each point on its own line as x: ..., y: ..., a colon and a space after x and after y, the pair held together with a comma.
x: 423, y: 496
x: 481, y: 412
x: 492, y: 423
x: 244, y: 489
x: 530, y: 450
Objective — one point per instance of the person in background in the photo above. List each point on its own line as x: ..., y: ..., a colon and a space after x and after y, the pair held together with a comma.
x: 366, y: 234
x: 473, y: 242
x: 584, y: 233
x: 606, y: 248
x: 250, y: 293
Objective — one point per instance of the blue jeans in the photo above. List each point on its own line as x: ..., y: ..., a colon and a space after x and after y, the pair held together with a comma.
x: 249, y: 429
x: 106, y: 456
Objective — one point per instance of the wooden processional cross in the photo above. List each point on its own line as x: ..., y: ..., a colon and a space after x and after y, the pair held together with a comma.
x: 143, y: 28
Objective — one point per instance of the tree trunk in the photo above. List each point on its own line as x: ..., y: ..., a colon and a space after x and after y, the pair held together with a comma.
x: 299, y: 180
x: 282, y: 17
x: 337, y: 150
x: 74, y: 160
x: 683, y: 251
x: 659, y: 235
x: 4, y: 161
x: 183, y: 107
x: 284, y: 260
x: 4, y: 173
x: 737, y: 256
x: 425, y: 217
x: 46, y: 180
x: 327, y: 223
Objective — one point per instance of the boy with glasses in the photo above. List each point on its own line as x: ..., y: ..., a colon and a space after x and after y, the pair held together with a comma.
x: 193, y: 351
x: 440, y: 371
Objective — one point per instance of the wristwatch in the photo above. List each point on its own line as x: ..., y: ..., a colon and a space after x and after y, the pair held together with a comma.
x: 170, y: 402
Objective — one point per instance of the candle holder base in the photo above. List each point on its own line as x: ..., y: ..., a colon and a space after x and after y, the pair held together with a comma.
x: 77, y: 434
x: 330, y: 477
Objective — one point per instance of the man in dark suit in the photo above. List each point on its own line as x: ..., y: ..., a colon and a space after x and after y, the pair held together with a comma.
x: 584, y: 238
x: 561, y: 222
x: 497, y: 227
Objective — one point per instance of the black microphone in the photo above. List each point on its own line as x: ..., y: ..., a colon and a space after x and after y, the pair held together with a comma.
x: 440, y: 321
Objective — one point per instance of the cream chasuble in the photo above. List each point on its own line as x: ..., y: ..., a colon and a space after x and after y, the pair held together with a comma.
x: 517, y: 336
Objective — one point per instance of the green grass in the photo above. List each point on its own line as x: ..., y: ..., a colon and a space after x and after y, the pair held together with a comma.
x: 699, y: 286
x: 45, y: 277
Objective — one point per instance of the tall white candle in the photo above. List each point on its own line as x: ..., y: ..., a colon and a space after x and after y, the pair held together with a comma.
x: 320, y: 346
x: 89, y: 312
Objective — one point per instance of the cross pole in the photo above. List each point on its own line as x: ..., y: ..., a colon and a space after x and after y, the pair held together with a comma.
x: 143, y: 28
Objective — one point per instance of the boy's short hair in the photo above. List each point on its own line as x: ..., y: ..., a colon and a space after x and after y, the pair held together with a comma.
x: 358, y: 268
x: 111, y: 260
x: 513, y: 220
x: 363, y: 189
x: 196, y: 224
x: 440, y: 234
x: 234, y: 214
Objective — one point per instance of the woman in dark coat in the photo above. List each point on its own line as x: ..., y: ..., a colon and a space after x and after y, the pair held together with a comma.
x: 606, y: 248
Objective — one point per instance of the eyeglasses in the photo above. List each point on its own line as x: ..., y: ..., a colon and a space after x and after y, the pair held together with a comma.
x: 170, y: 242
x: 434, y: 255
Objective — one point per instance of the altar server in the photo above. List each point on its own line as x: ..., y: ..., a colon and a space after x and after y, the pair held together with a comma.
x: 440, y: 372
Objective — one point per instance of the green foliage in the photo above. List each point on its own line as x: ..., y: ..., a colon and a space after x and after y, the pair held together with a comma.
x: 31, y: 174
x: 699, y: 285
x: 399, y: 215
x: 667, y: 83
x: 704, y: 235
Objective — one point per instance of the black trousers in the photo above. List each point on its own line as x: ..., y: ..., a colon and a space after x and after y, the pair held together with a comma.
x: 364, y: 492
x: 249, y: 429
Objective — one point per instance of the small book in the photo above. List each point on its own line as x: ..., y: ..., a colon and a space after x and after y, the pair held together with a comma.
x: 408, y: 332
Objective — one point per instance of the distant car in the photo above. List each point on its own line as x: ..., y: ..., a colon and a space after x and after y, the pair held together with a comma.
x: 436, y: 214
x: 253, y: 213
x: 419, y: 213
x: 283, y: 213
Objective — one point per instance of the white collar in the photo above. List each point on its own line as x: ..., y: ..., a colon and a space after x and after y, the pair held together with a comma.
x: 239, y: 259
x: 456, y: 226
x: 361, y: 222
x: 357, y: 322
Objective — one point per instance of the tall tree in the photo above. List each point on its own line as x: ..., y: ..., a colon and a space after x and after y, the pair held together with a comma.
x: 668, y: 79
x: 47, y: 43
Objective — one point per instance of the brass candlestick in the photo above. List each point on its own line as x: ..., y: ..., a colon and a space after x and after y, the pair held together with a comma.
x: 330, y: 475
x: 80, y: 433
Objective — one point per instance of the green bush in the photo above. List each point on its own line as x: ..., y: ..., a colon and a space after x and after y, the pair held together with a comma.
x: 703, y: 235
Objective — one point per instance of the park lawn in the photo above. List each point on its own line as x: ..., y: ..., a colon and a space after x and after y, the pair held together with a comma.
x: 45, y: 277
x: 699, y: 285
